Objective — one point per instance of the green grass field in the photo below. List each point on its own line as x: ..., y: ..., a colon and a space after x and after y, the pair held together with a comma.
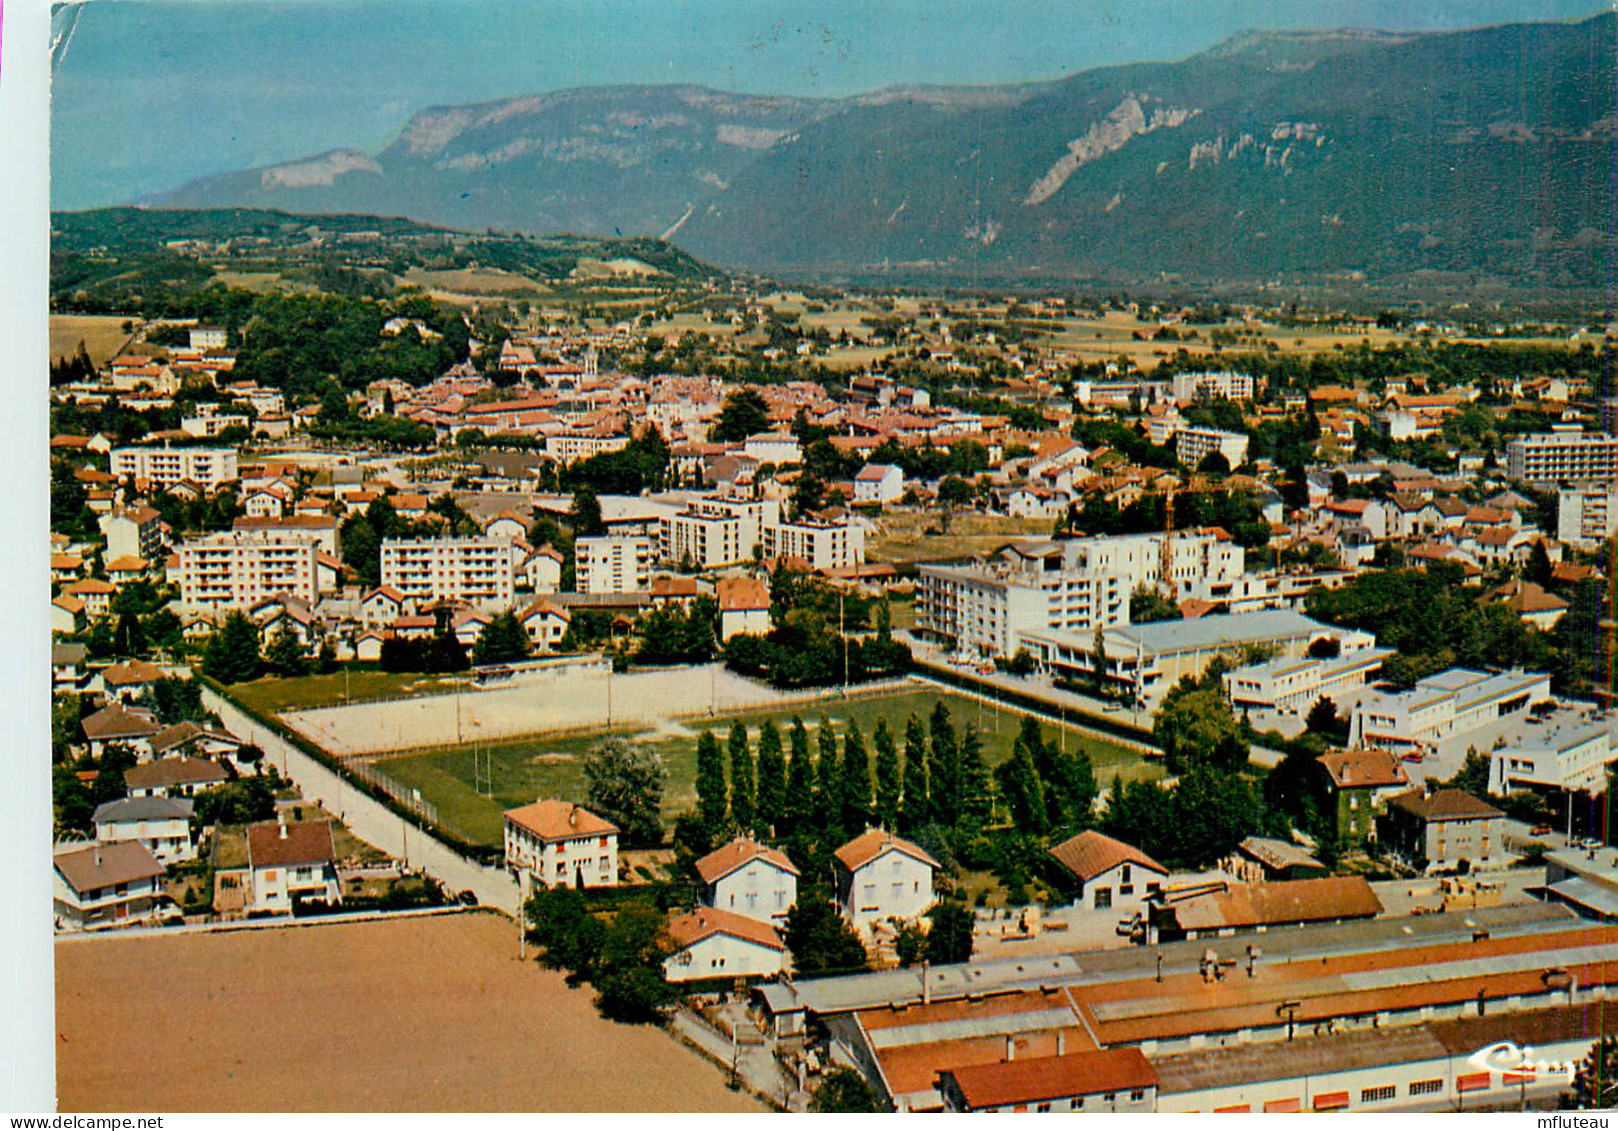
x: 515, y: 773
x: 273, y: 695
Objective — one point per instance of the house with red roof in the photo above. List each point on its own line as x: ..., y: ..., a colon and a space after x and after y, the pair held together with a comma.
x: 558, y: 842
x: 749, y: 878
x: 1111, y: 875
x: 712, y: 943
x: 744, y: 606
x: 291, y: 861
x: 882, y: 876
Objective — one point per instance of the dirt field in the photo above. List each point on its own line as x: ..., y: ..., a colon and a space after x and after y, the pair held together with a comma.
x: 102, y: 335
x: 541, y: 703
x: 428, y: 1014
x: 902, y: 536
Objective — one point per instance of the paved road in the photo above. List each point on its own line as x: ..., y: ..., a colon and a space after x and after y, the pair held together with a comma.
x: 368, y: 818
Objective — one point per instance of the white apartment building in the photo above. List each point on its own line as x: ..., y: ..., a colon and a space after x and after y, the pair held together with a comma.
x: 208, y: 337
x: 135, y: 532
x: 207, y: 467
x: 570, y: 446
x: 1190, y: 387
x: 990, y: 607
x: 1292, y: 686
x: 823, y: 544
x: 1193, y: 443
x: 481, y: 571
x: 1440, y: 706
x: 713, y: 532
x: 1561, y: 455
x: 231, y: 570
x: 984, y: 609
x: 1586, y: 515
x: 210, y: 420
x: 613, y: 564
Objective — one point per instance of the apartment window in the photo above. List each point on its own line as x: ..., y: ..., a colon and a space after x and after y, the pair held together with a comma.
x: 1137, y: 1096
x: 1043, y: 1107
x: 1103, y: 897
x: 1379, y: 1095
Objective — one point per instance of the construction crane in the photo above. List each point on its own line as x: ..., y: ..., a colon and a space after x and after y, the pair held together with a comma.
x: 1165, y: 563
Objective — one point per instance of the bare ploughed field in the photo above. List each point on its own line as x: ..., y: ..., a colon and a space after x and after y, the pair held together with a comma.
x: 421, y: 1014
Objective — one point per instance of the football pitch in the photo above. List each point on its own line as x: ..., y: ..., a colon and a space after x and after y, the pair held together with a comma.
x: 474, y: 783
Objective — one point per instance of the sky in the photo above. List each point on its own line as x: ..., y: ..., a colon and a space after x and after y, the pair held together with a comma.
x: 149, y: 95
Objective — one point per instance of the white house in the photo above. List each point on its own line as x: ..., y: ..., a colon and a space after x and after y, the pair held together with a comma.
x: 162, y: 824
x: 750, y: 879
x: 104, y: 885
x: 710, y: 943
x: 557, y: 842
x: 744, y: 606
x: 881, y: 876
x: 291, y: 861
x: 545, y: 623
x: 543, y: 570
x: 1111, y: 875
x: 879, y: 483
x: 384, y: 605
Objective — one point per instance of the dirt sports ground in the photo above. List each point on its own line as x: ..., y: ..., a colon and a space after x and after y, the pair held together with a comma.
x: 419, y: 1014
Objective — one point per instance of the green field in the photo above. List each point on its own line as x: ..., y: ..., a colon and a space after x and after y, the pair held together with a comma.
x: 516, y: 773
x: 273, y: 696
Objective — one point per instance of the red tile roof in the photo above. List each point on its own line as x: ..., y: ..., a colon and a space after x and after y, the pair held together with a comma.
x: 1036, y: 1079
x: 694, y: 926
x: 722, y: 861
x: 559, y: 820
x: 1364, y: 769
x: 1286, y: 901
x: 1090, y: 854
x: 1445, y: 805
x: 869, y: 845
x: 742, y: 593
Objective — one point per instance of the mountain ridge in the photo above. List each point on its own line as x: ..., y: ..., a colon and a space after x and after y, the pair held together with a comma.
x: 1344, y: 153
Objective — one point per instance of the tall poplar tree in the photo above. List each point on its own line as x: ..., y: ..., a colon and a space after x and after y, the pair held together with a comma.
x: 888, y: 786
x: 772, y: 780
x: 742, y: 794
x: 943, y: 767
x: 828, y: 791
x: 800, y: 795
x: 855, y: 778
x: 915, y: 808
x: 712, y: 804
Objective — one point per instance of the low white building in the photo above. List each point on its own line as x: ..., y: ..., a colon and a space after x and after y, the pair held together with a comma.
x: 744, y: 607
x: 1111, y: 875
x: 162, y: 824
x: 1441, y: 706
x: 560, y: 843
x: 1568, y: 748
x: 481, y: 571
x: 748, y: 878
x: 1292, y: 686
x: 289, y: 862
x: 208, y: 468
x: 710, y: 943
x: 882, y: 876
x: 1193, y: 443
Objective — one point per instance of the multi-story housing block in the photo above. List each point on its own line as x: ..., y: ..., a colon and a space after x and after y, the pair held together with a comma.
x: 824, y: 544
x: 713, y: 532
x: 231, y: 570
x: 1563, y: 455
x: 206, y: 467
x: 481, y: 571
x: 1193, y: 443
x: 1586, y: 514
x: 1190, y: 387
x: 613, y: 564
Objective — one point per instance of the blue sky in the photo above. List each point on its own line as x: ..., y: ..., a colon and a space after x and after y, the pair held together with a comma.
x: 149, y: 95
